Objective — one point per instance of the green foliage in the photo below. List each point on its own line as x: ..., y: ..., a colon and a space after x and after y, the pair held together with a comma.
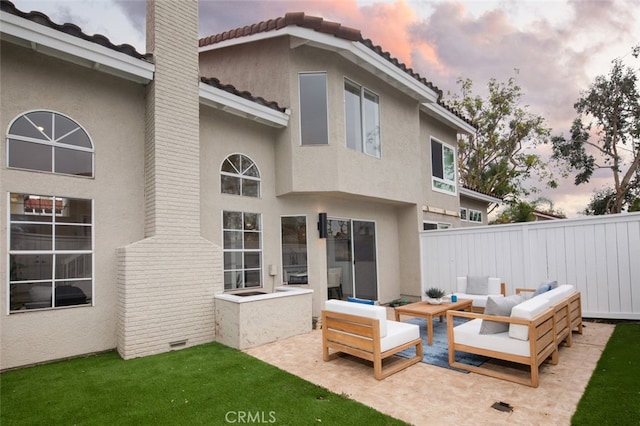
x: 435, y: 293
x: 501, y: 157
x: 606, y: 135
x: 612, y: 396
x: 207, y: 384
x: 522, y: 211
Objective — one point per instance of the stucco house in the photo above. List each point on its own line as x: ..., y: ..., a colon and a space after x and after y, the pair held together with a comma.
x: 136, y: 187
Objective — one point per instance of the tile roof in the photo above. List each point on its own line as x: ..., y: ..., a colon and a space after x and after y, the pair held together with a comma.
x: 214, y: 82
x: 481, y: 192
x: 71, y: 29
x: 327, y: 27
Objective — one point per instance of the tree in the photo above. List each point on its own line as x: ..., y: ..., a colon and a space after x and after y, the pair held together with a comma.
x: 606, y: 135
x: 523, y: 211
x: 500, y: 159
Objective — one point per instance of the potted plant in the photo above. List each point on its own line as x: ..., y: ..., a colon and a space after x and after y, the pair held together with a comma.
x: 434, y: 295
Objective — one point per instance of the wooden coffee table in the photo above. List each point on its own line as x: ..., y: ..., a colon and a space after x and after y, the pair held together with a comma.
x: 429, y: 311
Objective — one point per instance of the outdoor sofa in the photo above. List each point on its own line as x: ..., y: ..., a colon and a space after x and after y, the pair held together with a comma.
x: 478, y: 289
x: 365, y: 332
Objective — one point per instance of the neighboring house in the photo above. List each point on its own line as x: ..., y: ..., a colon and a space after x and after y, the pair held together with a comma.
x: 136, y: 187
x: 540, y: 215
x: 474, y: 206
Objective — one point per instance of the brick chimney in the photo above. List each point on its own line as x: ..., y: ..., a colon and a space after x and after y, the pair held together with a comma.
x: 166, y: 281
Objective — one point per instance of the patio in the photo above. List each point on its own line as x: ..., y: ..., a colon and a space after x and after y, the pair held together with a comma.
x: 425, y: 394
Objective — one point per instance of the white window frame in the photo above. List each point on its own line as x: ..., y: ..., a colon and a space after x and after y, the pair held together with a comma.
x: 464, y: 216
x: 282, y: 251
x: 302, y: 113
x: 244, y: 250
x: 475, y: 216
x: 376, y: 151
x: 53, y: 143
x: 241, y: 176
x: 53, y: 252
x: 435, y: 180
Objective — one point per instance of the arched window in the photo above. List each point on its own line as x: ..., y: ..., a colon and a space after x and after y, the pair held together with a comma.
x: 239, y: 175
x: 48, y: 141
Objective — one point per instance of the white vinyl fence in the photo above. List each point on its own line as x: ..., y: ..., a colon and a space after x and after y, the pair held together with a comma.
x: 599, y: 255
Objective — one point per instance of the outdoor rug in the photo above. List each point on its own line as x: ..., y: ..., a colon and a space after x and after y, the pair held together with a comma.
x: 438, y: 353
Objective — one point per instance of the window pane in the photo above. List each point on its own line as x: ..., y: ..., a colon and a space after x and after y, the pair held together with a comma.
x: 73, y: 162
x: 231, y: 164
x: 444, y: 186
x: 436, y: 159
x: 68, y: 132
x: 43, y: 120
x: 31, y: 267
x: 72, y: 293
x: 252, y: 221
x: 30, y: 296
x: 449, y: 164
x: 313, y: 109
x: 23, y: 127
x: 353, y: 124
x: 251, y: 171
x: 233, y: 279
x: 252, y: 260
x: 233, y: 240
x: 232, y: 220
x: 250, y: 188
x: 372, y: 124
x: 251, y: 240
x: 73, y: 266
x: 27, y: 155
x: 70, y: 237
x: 230, y: 184
x: 33, y: 237
x: 74, y: 211
x: 252, y: 279
x: 232, y: 260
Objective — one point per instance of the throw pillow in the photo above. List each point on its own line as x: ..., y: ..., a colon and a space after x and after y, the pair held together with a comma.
x: 552, y: 283
x: 542, y: 288
x: 477, y: 285
x: 500, y: 306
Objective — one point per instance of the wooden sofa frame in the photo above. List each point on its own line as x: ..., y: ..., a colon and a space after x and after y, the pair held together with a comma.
x: 360, y: 336
x: 542, y: 341
x: 568, y: 316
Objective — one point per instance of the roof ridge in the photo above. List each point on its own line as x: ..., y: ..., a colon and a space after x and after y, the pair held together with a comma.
x: 71, y: 29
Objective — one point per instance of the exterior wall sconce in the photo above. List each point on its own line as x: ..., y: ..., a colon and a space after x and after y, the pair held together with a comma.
x: 322, y: 225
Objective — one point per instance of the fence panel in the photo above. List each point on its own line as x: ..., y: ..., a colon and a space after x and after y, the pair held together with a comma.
x: 599, y: 255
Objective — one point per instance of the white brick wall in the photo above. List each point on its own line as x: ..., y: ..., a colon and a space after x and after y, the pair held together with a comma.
x: 166, y: 282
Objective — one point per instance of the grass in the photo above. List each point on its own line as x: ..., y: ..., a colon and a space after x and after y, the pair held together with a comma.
x: 612, y: 396
x: 207, y: 384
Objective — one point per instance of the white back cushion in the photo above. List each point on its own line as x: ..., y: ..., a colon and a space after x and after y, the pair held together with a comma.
x: 527, y: 310
x: 360, y: 309
x: 494, y: 285
x: 461, y: 284
x: 559, y: 293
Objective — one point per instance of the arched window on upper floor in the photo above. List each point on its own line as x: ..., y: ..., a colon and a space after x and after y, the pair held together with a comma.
x: 239, y: 175
x: 48, y: 141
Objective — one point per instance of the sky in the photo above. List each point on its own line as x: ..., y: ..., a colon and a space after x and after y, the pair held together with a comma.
x: 553, y: 48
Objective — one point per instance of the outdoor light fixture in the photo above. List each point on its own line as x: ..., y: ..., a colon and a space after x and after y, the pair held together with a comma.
x: 322, y: 225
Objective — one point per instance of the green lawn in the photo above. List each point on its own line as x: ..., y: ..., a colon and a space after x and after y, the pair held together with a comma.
x: 207, y: 384
x: 612, y: 396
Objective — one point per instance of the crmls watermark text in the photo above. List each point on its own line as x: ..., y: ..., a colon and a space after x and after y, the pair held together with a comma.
x: 250, y: 417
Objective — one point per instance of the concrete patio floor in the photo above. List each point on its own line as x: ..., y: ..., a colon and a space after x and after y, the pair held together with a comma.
x: 428, y: 395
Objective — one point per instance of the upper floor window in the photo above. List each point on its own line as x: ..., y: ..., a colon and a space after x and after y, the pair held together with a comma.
x: 239, y: 175
x: 50, y: 252
x: 362, y: 119
x: 463, y: 213
x: 314, y: 118
x: 49, y: 142
x: 475, y: 216
x: 443, y: 167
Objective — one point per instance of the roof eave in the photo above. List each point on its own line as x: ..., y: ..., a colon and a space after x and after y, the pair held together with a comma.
x: 353, y: 51
x: 49, y: 41
x: 228, y: 102
x: 437, y: 111
x: 479, y: 196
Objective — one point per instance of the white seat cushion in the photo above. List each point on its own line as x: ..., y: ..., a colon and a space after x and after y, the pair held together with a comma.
x: 398, y: 333
x: 526, y: 310
x: 469, y: 334
x: 368, y: 311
